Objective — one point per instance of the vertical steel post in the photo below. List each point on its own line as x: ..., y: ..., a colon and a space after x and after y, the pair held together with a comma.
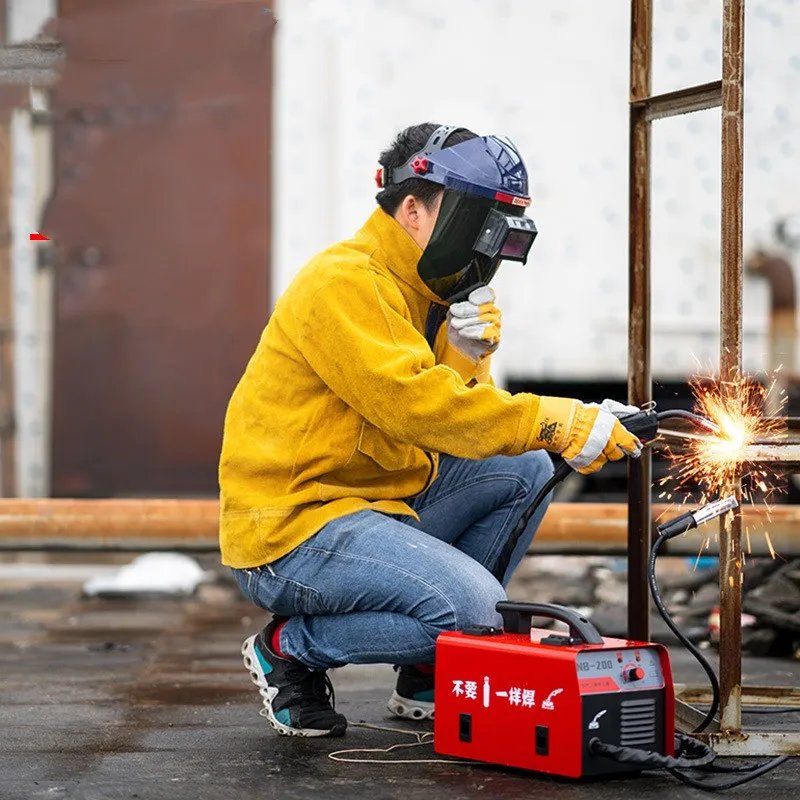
x: 639, y: 379
x: 730, y: 545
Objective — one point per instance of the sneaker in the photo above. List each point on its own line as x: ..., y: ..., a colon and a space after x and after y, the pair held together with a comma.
x: 413, y: 695
x: 297, y: 701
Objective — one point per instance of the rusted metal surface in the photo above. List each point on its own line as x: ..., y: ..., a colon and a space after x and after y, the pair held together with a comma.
x: 152, y: 524
x: 736, y: 744
x: 161, y: 222
x: 758, y: 696
x: 31, y: 63
x: 688, y: 718
x: 8, y: 476
x: 777, y: 453
x: 682, y: 101
x: 731, y: 350
x: 782, y: 358
x: 639, y: 377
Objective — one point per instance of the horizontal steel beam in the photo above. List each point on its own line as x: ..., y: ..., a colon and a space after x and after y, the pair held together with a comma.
x: 746, y: 744
x: 682, y: 101
x: 756, y: 696
x: 786, y: 453
x: 33, y: 63
x: 137, y: 525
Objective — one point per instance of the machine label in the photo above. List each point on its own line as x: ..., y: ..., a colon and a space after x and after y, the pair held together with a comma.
x: 626, y: 669
x: 514, y: 695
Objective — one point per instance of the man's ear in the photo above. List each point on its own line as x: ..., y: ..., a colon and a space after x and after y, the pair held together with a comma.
x: 409, y: 209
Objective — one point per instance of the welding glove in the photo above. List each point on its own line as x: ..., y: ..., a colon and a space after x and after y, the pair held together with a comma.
x: 616, y: 408
x: 473, y: 326
x: 587, y: 436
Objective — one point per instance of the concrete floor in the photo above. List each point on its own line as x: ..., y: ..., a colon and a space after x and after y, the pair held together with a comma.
x: 107, y: 700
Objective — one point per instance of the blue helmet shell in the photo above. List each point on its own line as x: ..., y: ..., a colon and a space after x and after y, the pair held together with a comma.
x: 487, y: 166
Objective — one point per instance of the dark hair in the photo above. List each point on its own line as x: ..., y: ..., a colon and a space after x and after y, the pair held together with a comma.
x: 406, y: 143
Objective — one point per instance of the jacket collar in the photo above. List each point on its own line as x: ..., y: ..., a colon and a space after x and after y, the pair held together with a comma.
x: 397, y: 250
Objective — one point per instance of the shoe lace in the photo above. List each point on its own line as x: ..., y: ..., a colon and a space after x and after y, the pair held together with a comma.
x: 313, y: 688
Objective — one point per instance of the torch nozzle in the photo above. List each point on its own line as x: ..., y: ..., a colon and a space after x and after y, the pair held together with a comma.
x: 702, y: 423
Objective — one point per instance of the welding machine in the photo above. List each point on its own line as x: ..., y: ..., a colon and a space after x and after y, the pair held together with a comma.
x: 531, y: 698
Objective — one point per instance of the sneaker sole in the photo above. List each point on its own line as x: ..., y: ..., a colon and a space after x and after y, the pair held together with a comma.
x: 409, y: 709
x: 268, y: 693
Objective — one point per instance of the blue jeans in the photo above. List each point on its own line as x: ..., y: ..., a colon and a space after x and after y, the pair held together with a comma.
x: 373, y: 588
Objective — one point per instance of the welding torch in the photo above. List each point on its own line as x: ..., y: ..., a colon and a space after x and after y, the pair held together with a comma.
x: 645, y: 424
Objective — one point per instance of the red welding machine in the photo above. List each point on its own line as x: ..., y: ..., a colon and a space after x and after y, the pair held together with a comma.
x: 535, y: 699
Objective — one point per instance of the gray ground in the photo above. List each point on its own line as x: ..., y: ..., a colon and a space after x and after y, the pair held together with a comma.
x: 148, y: 699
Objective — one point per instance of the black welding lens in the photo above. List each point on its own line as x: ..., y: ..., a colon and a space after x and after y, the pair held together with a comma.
x: 509, y: 237
x: 471, y: 237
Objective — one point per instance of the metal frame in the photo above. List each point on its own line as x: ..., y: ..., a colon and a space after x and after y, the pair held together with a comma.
x: 729, y: 94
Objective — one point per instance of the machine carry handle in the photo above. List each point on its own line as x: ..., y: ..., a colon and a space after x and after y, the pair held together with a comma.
x: 517, y: 619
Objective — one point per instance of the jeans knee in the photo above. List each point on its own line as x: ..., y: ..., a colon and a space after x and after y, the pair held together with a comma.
x: 470, y: 599
x: 536, y: 468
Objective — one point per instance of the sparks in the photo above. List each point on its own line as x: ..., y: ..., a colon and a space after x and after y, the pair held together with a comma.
x: 712, y: 463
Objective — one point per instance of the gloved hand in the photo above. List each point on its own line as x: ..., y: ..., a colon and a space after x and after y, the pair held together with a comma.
x: 616, y: 408
x: 473, y: 326
x: 587, y: 436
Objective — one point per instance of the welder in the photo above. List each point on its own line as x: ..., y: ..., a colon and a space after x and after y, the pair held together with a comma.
x: 371, y: 471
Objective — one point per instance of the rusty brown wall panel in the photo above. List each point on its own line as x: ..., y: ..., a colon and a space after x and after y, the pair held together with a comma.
x: 160, y: 215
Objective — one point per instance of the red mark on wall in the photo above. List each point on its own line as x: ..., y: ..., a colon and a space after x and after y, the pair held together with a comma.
x: 39, y: 237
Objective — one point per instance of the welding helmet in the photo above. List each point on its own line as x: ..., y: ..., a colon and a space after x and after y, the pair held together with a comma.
x: 482, y: 217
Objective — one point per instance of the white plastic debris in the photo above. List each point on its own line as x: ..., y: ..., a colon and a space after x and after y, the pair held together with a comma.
x: 151, y: 573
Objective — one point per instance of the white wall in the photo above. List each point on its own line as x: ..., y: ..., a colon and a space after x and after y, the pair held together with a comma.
x: 32, y: 288
x: 553, y: 75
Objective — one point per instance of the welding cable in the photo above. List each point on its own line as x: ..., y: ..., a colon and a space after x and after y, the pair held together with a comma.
x: 691, y: 754
x: 676, y: 527
x: 753, y: 771
x: 504, y: 559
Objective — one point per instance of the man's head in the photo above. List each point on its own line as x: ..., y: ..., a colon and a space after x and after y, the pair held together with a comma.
x: 462, y: 199
x: 415, y: 202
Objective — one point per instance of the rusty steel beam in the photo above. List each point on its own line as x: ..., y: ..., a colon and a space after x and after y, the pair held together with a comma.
x: 753, y: 743
x: 640, y: 387
x: 730, y: 577
x: 682, y: 101
x: 567, y: 528
x: 785, y: 697
x: 785, y: 454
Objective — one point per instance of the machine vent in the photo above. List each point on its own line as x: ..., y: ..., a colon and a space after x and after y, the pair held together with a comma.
x: 638, y: 723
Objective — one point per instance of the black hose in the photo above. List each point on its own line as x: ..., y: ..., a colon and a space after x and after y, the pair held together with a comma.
x: 684, y: 640
x: 504, y: 559
x: 692, y: 754
x: 753, y: 771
